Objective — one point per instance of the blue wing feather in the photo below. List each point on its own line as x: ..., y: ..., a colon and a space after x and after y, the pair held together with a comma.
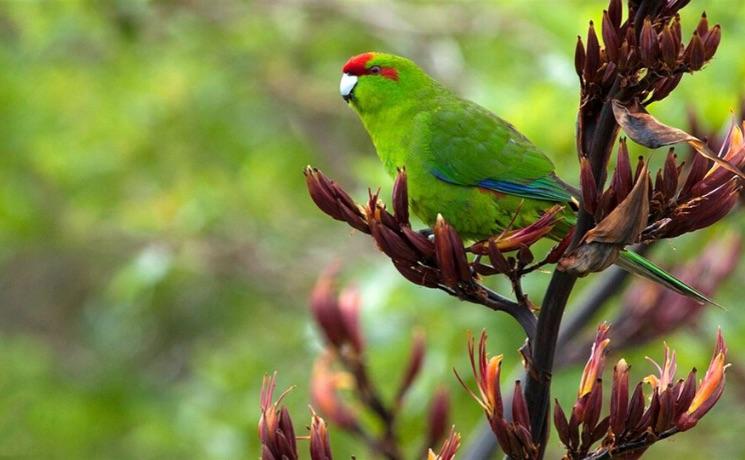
x: 545, y: 188
x: 540, y: 189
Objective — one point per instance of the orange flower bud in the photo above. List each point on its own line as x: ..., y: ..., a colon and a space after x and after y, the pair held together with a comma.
x: 594, y: 367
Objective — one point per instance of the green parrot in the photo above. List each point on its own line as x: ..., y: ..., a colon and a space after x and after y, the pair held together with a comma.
x: 462, y: 161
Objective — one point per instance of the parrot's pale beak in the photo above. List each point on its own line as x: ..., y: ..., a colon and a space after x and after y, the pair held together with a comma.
x: 346, y: 86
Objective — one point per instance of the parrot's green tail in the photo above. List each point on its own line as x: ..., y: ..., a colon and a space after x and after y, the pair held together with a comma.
x: 635, y: 263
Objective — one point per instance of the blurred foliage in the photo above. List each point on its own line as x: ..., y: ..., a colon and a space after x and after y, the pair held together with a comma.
x: 157, y: 243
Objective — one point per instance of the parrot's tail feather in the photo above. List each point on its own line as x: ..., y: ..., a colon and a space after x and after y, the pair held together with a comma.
x: 635, y: 263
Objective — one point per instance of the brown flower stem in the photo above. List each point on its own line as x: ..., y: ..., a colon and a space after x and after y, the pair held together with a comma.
x: 534, y: 267
x: 600, y: 136
x: 374, y: 445
x: 537, y: 389
x: 601, y: 141
x: 517, y: 288
x: 482, y: 295
x: 609, y: 285
x: 630, y: 447
x: 524, y: 316
x: 387, y: 444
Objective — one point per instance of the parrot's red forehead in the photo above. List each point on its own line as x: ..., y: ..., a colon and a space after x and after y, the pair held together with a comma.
x: 356, y: 65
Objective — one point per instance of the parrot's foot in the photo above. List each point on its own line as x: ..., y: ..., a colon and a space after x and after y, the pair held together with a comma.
x: 428, y: 233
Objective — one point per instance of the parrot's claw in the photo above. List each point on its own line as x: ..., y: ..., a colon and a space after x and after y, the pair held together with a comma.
x: 428, y: 233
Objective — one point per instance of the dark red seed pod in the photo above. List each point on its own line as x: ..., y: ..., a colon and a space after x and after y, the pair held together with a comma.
x: 497, y: 259
x: 619, y: 401
x: 622, y: 182
x: 594, y: 405
x: 444, y: 254
x: 669, y: 47
x: 687, y: 392
x: 285, y: 442
x: 401, y: 198
x: 592, y: 57
x: 561, y: 424
x: 414, y: 366
x: 649, y: 47
x: 386, y: 218
x: 520, y: 407
x: 670, y: 175
x: 600, y: 431
x: 610, y: 38
x: 636, y: 408
x: 423, y: 245
x: 606, y: 204
x: 650, y: 415
x: 525, y: 442
x: 321, y: 193
x: 695, y: 54
x: 712, y: 42
x: 639, y: 167
x: 658, y: 183
x: 665, y: 414
x: 623, y: 55
x: 324, y: 305
x: 675, y: 27
x: 349, y: 310
x: 459, y: 256
x: 704, y: 212
x: 438, y: 416
x: 504, y: 436
x: 717, y: 177
x: 391, y: 243
x: 417, y: 274
x: 665, y: 86
x: 524, y: 256
x: 320, y: 447
x: 558, y: 251
x: 344, y: 200
x: 703, y: 26
x: 588, y: 186
x: 353, y: 216
x: 632, y: 59
x: 609, y: 74
x: 579, y: 57
x: 574, y: 422
x: 615, y: 11
x: 630, y: 36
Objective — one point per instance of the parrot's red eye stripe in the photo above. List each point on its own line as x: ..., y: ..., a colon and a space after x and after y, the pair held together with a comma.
x: 389, y: 72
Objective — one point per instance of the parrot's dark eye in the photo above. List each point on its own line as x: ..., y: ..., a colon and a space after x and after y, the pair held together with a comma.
x: 375, y: 69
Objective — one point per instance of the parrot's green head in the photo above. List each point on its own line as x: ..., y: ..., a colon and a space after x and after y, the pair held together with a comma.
x: 373, y: 81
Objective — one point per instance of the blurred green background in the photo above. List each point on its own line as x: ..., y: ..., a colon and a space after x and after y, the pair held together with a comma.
x: 157, y: 244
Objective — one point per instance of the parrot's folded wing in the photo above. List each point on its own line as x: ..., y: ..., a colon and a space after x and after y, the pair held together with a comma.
x: 471, y: 146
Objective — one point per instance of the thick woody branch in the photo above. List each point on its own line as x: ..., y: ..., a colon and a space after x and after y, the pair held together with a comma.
x: 497, y: 302
x: 537, y: 389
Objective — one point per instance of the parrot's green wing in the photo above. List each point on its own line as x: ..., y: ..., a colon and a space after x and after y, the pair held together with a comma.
x: 470, y: 146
